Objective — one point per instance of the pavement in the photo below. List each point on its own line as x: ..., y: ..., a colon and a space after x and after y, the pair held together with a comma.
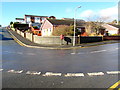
x: 25, y: 42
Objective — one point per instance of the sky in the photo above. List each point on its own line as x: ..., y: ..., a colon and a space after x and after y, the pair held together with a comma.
x: 88, y: 10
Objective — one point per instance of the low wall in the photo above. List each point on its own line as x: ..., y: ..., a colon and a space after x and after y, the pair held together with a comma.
x: 51, y: 40
x: 111, y: 38
x: 13, y: 29
x: 47, y: 40
x: 29, y: 36
x: 89, y: 39
x: 19, y: 32
x: 56, y: 39
x: 22, y: 34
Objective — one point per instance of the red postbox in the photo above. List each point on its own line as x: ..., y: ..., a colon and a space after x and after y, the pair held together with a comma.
x: 61, y: 36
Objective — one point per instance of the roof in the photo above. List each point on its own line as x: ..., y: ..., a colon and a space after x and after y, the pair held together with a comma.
x: 36, y: 16
x: 67, y: 18
x: 19, y: 18
x: 101, y: 27
x: 117, y: 26
x: 66, y: 22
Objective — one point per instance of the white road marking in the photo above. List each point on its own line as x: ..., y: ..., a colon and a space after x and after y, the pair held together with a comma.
x: 98, y: 51
x: 90, y: 52
x: 13, y: 71
x: 113, y: 72
x: 80, y: 53
x: 62, y: 82
x: 74, y: 74
x: 95, y: 74
x: 1, y: 70
x: 73, y: 53
x: 6, y: 51
x: 52, y: 74
x: 116, y: 48
x: 53, y: 83
x: 9, y: 52
x: 33, y: 73
x: 19, y: 53
x: 65, y: 75
x: 30, y: 53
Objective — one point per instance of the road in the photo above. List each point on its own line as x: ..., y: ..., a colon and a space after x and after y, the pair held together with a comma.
x: 84, y: 60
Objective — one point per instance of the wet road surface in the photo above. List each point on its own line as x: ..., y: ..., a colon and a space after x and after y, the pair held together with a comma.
x: 99, y: 58
x: 93, y: 59
x: 35, y: 81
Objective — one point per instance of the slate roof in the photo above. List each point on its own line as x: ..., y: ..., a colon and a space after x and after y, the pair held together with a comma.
x: 36, y: 16
x: 117, y: 26
x: 19, y: 18
x: 66, y: 22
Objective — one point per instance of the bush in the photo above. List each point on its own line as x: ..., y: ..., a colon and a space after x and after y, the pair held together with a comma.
x: 35, y: 27
x: 64, y: 30
x: 16, y: 23
x: 11, y: 23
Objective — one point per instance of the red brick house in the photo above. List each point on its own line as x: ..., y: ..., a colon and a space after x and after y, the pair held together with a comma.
x: 49, y: 25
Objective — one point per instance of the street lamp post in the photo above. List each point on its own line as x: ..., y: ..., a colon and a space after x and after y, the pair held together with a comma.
x: 75, y: 24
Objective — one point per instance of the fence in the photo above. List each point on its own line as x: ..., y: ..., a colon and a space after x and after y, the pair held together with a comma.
x: 89, y: 39
x: 111, y: 38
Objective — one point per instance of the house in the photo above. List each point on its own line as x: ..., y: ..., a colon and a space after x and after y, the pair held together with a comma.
x: 20, y: 20
x: 112, y: 29
x: 49, y: 25
x: 34, y: 19
x: 35, y: 22
x: 118, y: 28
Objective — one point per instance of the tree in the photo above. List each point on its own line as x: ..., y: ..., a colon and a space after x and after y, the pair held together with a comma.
x: 65, y: 30
x: 11, y: 23
x: 118, y: 22
x: 95, y: 26
x: 52, y: 17
x: 114, y: 21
